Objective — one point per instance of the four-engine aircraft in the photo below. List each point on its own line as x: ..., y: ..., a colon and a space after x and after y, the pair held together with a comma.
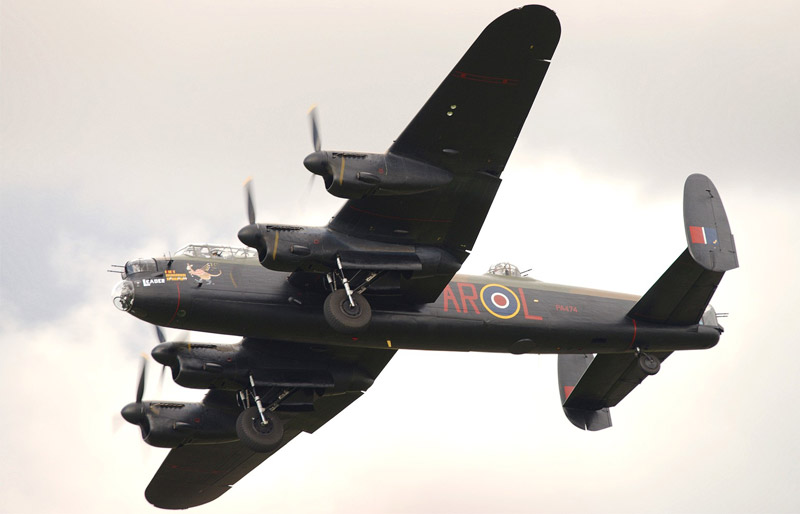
x: 322, y: 310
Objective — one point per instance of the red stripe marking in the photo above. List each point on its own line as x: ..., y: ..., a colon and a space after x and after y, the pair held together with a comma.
x: 178, y: 287
x: 568, y: 391
x: 485, y: 78
x: 634, y: 334
x: 398, y: 217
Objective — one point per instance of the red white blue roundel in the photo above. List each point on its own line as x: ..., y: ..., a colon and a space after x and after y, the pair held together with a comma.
x: 500, y: 301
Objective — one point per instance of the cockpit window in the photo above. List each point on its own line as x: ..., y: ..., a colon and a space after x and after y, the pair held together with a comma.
x: 140, y: 265
x: 216, y: 252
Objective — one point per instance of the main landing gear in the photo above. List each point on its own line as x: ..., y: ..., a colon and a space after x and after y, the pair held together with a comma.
x: 346, y: 310
x: 259, y: 428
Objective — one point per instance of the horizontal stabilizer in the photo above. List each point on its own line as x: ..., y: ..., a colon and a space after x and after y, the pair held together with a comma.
x: 590, y: 386
x: 682, y: 293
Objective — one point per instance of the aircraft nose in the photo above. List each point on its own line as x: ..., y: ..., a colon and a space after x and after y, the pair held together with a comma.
x: 317, y: 163
x: 123, y: 295
x: 164, y: 354
x: 133, y: 413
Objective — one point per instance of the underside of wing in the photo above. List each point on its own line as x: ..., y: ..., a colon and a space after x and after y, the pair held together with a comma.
x: 472, y: 121
x: 195, y: 474
x: 469, y: 128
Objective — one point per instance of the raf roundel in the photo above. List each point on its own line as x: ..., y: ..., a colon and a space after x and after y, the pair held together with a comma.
x: 500, y: 301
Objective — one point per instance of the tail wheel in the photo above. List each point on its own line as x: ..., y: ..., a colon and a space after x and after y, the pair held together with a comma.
x: 649, y: 364
x: 344, y: 317
x: 257, y: 435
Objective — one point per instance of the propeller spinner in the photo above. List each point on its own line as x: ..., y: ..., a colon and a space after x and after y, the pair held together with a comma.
x: 251, y: 235
x: 317, y: 162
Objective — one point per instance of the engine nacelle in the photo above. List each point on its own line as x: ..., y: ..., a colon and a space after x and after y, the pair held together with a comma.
x: 229, y: 366
x: 171, y: 424
x: 315, y: 249
x: 356, y: 175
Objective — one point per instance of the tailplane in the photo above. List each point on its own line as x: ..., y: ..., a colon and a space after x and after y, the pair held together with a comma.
x: 590, y: 385
x: 682, y: 293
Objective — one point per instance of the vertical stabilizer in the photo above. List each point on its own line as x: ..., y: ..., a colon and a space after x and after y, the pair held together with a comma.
x: 708, y: 233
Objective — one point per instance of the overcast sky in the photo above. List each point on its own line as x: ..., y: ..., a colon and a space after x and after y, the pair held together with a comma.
x: 128, y: 128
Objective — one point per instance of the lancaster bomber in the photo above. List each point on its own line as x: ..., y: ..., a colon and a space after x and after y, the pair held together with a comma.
x: 322, y: 310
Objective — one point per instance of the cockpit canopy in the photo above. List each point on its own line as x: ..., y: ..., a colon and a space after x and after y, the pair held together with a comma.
x: 207, y: 251
x: 201, y: 251
x: 139, y: 265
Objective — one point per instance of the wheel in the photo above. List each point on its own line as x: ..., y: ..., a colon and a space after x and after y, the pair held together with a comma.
x: 256, y: 435
x: 342, y: 316
x: 649, y: 364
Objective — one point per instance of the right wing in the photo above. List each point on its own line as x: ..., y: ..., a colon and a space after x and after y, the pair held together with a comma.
x: 195, y: 474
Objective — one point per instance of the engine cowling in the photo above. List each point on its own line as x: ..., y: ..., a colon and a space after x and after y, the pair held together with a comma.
x: 171, y: 424
x: 229, y: 366
x: 357, y: 175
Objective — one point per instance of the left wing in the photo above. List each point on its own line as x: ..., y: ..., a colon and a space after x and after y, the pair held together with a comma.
x: 468, y: 128
x: 195, y: 474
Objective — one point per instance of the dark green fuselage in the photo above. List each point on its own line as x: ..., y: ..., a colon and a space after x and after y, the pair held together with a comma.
x: 487, y: 313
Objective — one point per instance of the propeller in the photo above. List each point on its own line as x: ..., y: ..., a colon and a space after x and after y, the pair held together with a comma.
x: 161, y: 340
x: 312, y: 115
x: 164, y: 353
x: 140, y: 387
x: 317, y: 162
x: 251, y: 235
x: 134, y: 412
x: 251, y: 210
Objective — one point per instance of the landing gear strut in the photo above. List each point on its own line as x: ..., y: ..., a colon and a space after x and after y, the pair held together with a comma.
x: 259, y: 428
x: 345, y: 310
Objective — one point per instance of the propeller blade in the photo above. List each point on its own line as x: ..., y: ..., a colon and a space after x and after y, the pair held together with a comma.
x: 160, y: 334
x: 312, y: 115
x: 251, y: 210
x: 140, y: 387
x: 161, y: 380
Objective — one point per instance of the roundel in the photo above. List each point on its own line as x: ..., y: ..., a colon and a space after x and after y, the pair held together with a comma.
x: 500, y: 301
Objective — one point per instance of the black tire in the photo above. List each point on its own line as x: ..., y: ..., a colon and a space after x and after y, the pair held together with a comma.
x: 649, y: 364
x: 254, y: 434
x: 342, y: 316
